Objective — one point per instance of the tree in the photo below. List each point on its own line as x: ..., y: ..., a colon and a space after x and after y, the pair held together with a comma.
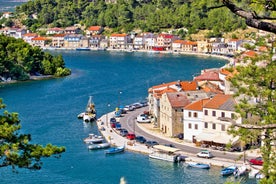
x: 259, y: 119
x: 15, y: 148
x: 258, y: 15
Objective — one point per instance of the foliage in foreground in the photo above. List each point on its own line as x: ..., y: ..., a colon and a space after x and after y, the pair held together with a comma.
x: 19, y: 60
x: 15, y: 148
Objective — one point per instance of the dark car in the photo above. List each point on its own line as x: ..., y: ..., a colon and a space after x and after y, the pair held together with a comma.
x: 170, y: 145
x: 123, y: 132
x: 140, y: 139
x: 180, y: 136
x: 256, y: 161
x: 112, y: 120
x: 151, y: 143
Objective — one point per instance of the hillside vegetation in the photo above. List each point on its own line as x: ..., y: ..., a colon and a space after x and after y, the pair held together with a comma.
x: 125, y: 16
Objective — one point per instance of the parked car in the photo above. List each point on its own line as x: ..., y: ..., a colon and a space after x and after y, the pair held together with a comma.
x: 205, y: 154
x: 129, y: 108
x: 143, y: 119
x: 180, y: 136
x: 123, y: 132
x: 170, y: 145
x: 130, y: 136
x: 256, y: 161
x: 112, y: 120
x: 151, y: 143
x: 140, y: 139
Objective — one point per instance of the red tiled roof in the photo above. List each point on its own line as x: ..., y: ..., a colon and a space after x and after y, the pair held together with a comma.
x: 30, y: 35
x: 209, y: 76
x: 189, y: 85
x: 217, y: 101
x: 59, y: 35
x: 166, y: 35
x: 55, y: 29
x: 250, y: 53
x: 178, y: 99
x: 190, y: 43
x: 179, y: 41
x: 118, y: 35
x: 198, y: 105
x: 94, y: 28
x: 39, y: 39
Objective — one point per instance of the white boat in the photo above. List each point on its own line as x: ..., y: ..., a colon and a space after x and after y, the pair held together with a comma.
x: 90, y: 111
x: 99, y: 146
x: 253, y: 173
x: 198, y: 165
x: 165, y: 153
x: 92, y: 138
x: 240, y: 171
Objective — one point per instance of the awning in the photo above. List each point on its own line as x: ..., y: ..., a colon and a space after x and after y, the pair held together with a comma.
x: 165, y: 148
x: 220, y: 138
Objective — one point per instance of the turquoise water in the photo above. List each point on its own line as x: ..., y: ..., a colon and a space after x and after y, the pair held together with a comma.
x: 48, y: 110
x: 9, y: 5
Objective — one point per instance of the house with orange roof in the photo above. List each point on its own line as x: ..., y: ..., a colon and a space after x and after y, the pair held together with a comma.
x: 156, y: 92
x: 72, y: 30
x: 119, y: 41
x: 189, y: 46
x: 40, y: 41
x: 29, y: 36
x: 58, y: 40
x: 193, y: 119
x: 217, y: 115
x: 225, y: 75
x: 177, y: 45
x: 210, y: 75
x: 171, y: 113
x: 204, y: 46
x: 94, y: 30
x: 165, y: 41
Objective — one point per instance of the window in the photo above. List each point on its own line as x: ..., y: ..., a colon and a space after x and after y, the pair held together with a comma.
x: 190, y: 125
x: 196, y: 126
x: 190, y: 114
x: 222, y: 127
x: 232, y: 115
x: 214, y: 113
x: 206, y: 112
x: 205, y: 125
x: 223, y: 114
x: 195, y: 114
x: 214, y: 126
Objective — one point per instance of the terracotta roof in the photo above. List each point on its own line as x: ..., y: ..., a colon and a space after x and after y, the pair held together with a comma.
x: 30, y: 35
x: 188, y: 85
x: 179, y: 41
x: 118, y: 35
x: 94, y: 28
x: 178, y: 99
x: 221, y: 101
x: 198, y: 105
x: 190, y: 43
x: 158, y: 93
x: 39, y: 39
x: 250, y: 53
x: 208, y: 75
x: 55, y: 29
x: 59, y: 35
x: 166, y: 35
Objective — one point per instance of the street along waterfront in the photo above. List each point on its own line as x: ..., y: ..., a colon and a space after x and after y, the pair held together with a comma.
x: 48, y: 110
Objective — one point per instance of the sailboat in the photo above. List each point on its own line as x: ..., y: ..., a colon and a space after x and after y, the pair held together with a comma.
x: 90, y: 111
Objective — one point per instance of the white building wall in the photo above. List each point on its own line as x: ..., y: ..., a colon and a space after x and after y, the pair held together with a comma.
x: 192, y: 125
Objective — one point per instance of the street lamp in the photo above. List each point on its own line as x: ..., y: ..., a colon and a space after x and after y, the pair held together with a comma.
x: 106, y: 121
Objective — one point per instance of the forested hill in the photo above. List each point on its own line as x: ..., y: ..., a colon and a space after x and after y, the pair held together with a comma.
x: 127, y: 15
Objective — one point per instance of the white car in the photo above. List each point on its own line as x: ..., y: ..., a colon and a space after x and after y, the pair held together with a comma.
x: 205, y: 154
x: 143, y: 119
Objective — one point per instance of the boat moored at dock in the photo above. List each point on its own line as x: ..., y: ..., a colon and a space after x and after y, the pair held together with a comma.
x: 165, y: 153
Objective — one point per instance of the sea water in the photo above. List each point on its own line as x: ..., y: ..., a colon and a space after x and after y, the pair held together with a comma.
x: 48, y: 110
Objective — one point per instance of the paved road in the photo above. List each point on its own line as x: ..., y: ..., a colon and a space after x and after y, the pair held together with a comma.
x: 129, y: 122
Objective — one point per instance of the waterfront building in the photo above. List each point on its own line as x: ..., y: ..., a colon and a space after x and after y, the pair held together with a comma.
x: 165, y: 41
x: 204, y: 46
x: 119, y: 41
x: 215, y: 124
x: 189, y: 46
x: 171, y: 113
x: 58, y: 40
x: 150, y: 40
x: 177, y: 45
x: 233, y: 45
x: 72, y: 30
x: 193, y: 120
x: 39, y: 41
x: 95, y: 40
x: 72, y: 40
x: 139, y: 42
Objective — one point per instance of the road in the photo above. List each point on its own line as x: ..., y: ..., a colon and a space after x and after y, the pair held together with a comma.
x: 129, y: 122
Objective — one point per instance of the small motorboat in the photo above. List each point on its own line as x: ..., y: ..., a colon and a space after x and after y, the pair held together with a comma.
x: 90, y: 112
x: 198, y: 165
x: 227, y: 171
x: 114, y: 150
x: 92, y: 138
x: 240, y: 171
x: 99, y: 146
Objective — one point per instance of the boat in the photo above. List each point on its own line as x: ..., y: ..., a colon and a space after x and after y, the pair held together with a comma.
x: 114, y: 150
x: 90, y: 111
x: 98, y: 146
x: 240, y: 171
x: 198, y: 165
x: 227, y: 171
x: 92, y: 138
x: 253, y: 173
x: 83, y: 49
x: 165, y: 153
